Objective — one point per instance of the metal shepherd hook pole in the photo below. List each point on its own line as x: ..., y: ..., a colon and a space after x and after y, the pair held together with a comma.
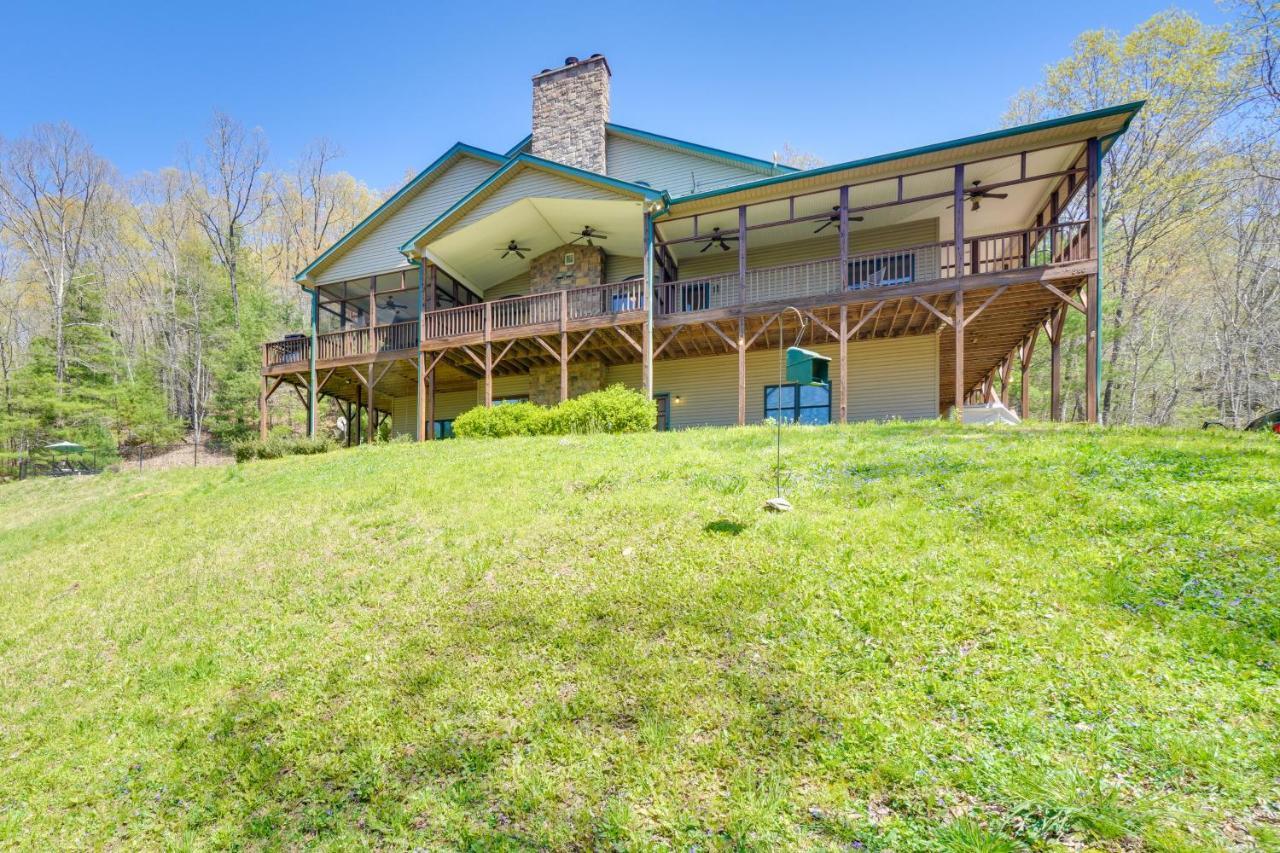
x: 778, y: 503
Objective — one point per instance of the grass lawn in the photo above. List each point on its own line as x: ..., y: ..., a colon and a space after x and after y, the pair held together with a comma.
x: 1035, y: 638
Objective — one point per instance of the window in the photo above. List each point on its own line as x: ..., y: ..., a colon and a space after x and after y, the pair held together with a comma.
x: 805, y: 404
x: 513, y: 398
x: 664, y: 411
x: 882, y: 270
x: 444, y: 429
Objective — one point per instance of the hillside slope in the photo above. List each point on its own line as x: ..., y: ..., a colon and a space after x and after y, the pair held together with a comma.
x: 958, y: 640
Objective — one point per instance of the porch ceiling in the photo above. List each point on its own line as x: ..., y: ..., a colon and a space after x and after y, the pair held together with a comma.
x: 473, y: 254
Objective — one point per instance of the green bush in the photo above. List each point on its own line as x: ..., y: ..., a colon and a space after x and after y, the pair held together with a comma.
x: 501, y: 421
x: 278, y: 446
x: 615, y: 409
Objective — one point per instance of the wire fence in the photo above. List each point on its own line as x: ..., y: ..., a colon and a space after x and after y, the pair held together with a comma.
x: 143, y: 457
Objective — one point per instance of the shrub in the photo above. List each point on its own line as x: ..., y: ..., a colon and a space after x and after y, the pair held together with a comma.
x: 501, y: 421
x: 278, y: 446
x: 615, y: 409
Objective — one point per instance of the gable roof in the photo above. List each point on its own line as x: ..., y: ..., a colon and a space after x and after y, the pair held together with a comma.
x: 512, y: 168
x: 755, y: 164
x: 1123, y: 115
x: 422, y: 179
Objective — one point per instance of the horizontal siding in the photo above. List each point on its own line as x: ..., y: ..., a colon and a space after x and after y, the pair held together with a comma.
x: 716, y: 262
x: 379, y: 250
x: 515, y: 286
x: 679, y: 173
x: 891, y: 378
x: 531, y: 183
x: 618, y: 267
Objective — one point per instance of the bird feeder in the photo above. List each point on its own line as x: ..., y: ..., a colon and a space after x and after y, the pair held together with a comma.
x: 806, y: 367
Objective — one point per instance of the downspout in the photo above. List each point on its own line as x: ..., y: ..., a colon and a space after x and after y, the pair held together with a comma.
x: 647, y: 338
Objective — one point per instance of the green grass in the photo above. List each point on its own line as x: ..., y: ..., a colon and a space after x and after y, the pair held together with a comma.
x: 959, y: 640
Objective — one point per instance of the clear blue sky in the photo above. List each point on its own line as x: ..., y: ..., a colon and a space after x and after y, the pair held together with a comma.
x: 394, y: 84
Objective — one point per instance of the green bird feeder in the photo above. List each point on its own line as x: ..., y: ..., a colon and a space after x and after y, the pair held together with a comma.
x: 806, y: 367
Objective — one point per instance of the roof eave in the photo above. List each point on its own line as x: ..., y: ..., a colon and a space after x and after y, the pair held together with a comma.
x: 1048, y: 124
x: 647, y: 193
x: 456, y: 150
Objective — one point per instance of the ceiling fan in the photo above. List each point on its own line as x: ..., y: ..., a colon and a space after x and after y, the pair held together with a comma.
x: 589, y: 233
x: 392, y: 305
x: 835, y: 218
x: 976, y: 195
x: 717, y: 237
x: 512, y: 247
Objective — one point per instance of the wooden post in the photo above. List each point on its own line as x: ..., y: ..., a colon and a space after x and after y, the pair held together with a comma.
x: 373, y: 411
x: 1093, y: 286
x: 262, y: 399
x: 350, y: 426
x: 564, y: 346
x: 844, y: 309
x: 958, y: 202
x: 488, y: 374
x: 1056, y: 321
x: 431, y: 405
x: 373, y: 316
x: 359, y: 419
x: 1028, y: 348
x: 844, y: 362
x: 313, y: 393
x: 421, y: 426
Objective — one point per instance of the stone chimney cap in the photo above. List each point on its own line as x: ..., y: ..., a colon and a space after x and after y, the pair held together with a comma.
x: 571, y: 61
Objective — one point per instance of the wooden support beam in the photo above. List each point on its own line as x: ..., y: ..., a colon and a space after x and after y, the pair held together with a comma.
x: 1024, y: 363
x: 870, y: 315
x: 1074, y: 303
x: 761, y: 330
x: 742, y: 370
x: 1093, y: 284
x: 578, y: 346
x: 830, y: 331
x: 262, y: 409
x: 477, y: 359
x: 992, y: 298
x: 934, y: 311
x: 420, y: 419
x: 959, y: 357
x: 1053, y: 330
x: 488, y: 373
x: 729, y: 342
x: 503, y: 354
x: 669, y: 338
x: 634, y: 343
x: 843, y: 339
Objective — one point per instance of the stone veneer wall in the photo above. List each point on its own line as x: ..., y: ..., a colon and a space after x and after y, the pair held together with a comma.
x: 544, y: 382
x: 549, y: 272
x: 570, y: 108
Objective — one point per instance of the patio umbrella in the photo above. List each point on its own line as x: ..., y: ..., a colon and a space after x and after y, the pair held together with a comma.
x: 65, y: 447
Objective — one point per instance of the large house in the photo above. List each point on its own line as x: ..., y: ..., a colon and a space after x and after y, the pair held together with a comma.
x: 592, y: 253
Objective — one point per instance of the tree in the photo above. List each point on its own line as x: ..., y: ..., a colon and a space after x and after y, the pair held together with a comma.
x: 1163, y: 177
x: 51, y: 188
x: 227, y: 192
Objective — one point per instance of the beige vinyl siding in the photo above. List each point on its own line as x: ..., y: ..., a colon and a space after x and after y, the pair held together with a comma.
x: 678, y: 172
x: 531, y: 183
x: 892, y: 378
x: 617, y: 267
x: 913, y: 233
x: 379, y: 249
x: 514, y: 286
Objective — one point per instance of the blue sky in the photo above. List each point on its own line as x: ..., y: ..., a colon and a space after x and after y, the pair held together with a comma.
x: 394, y: 84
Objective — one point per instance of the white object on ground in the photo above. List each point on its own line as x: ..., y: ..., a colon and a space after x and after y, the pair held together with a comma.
x: 778, y: 505
x: 990, y: 413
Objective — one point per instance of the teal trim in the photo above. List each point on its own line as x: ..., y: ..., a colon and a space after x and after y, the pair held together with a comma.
x: 537, y: 163
x: 515, y: 149
x: 754, y: 163
x: 1049, y: 124
x: 444, y: 159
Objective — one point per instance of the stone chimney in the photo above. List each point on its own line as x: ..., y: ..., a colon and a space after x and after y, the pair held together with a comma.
x: 570, y: 108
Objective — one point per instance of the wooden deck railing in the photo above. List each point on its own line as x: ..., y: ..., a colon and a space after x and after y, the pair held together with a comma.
x: 1033, y: 247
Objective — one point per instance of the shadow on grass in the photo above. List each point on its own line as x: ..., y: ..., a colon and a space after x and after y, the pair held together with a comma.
x: 725, y: 526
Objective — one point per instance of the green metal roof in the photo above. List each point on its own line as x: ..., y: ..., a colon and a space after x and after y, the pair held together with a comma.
x: 458, y: 149
x: 753, y: 163
x: 1105, y: 112
x: 519, y: 146
x: 545, y: 165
